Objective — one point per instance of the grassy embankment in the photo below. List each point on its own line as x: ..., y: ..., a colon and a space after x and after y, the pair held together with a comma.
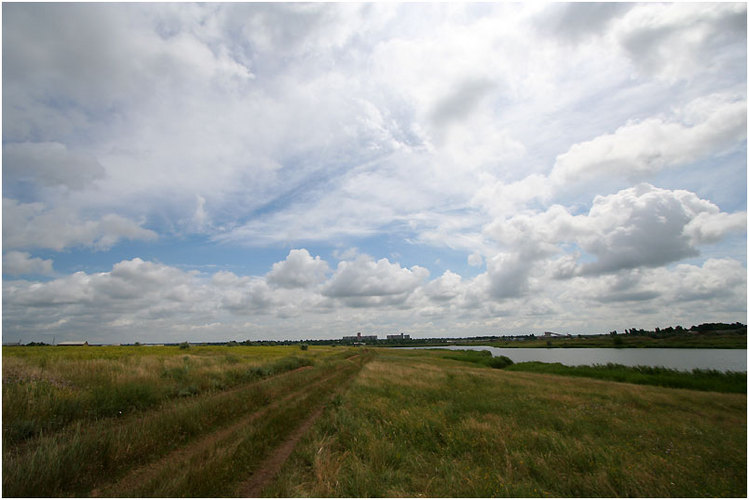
x: 152, y: 437
x: 704, y: 340
x: 411, y: 423
x: 417, y: 424
x: 700, y: 380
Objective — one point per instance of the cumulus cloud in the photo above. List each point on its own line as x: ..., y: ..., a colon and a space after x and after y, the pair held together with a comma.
x: 33, y: 225
x: 16, y: 263
x: 445, y: 288
x: 711, y: 225
x: 299, y: 270
x: 166, y: 302
x: 511, y: 135
x: 643, y: 226
x: 365, y: 277
x: 243, y: 295
x: 707, y: 126
x: 721, y: 283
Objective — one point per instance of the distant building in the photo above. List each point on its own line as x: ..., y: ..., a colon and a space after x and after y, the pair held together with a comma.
x: 359, y: 338
x: 73, y: 343
x: 399, y: 336
x: 552, y: 334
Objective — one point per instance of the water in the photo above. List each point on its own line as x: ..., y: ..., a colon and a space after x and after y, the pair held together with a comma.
x: 678, y: 359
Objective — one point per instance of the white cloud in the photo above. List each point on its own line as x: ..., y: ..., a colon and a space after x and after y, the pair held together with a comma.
x: 163, y: 303
x: 49, y: 164
x: 645, y: 226
x: 707, y: 126
x: 475, y: 260
x: 16, y: 263
x: 488, y: 129
x: 33, y: 225
x: 299, y: 270
x: 675, y: 41
x: 244, y: 295
x: 712, y: 226
x: 445, y: 288
x: 365, y: 277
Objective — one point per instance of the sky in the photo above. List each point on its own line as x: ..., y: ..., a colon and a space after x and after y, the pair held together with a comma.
x: 216, y: 172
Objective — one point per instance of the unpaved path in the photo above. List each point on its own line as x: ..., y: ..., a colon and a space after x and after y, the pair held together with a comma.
x: 271, y: 466
x: 266, y: 470
x: 150, y: 471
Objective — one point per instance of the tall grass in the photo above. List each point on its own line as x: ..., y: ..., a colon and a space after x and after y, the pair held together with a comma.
x: 419, y: 425
x: 702, y: 380
x: 48, y: 388
x: 72, y: 461
x: 479, y: 357
x: 217, y: 471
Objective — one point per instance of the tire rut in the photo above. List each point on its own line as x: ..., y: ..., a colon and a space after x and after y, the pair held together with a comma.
x: 148, y: 472
x: 272, y: 465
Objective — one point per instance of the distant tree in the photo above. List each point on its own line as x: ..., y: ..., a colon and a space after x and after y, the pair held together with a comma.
x: 184, y: 345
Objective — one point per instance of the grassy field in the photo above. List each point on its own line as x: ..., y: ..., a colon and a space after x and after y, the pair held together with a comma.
x: 416, y: 424
x: 279, y: 421
x: 156, y: 421
x: 699, y: 380
x: 705, y: 340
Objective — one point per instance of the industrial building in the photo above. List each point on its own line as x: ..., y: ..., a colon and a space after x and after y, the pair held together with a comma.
x: 359, y: 338
x: 399, y: 336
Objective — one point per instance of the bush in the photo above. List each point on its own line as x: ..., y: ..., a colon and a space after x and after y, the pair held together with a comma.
x: 303, y: 347
x: 184, y: 345
x: 500, y: 362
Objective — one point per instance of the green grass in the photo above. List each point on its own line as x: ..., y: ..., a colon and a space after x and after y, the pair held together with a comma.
x: 432, y: 423
x: 107, y: 447
x: 702, y: 380
x: 706, y: 340
x: 484, y: 358
x: 48, y: 388
x: 421, y: 425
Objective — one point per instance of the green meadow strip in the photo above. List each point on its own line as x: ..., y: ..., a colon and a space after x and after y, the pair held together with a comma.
x: 700, y: 380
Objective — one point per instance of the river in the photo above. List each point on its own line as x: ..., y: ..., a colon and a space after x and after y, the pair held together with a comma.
x: 678, y: 359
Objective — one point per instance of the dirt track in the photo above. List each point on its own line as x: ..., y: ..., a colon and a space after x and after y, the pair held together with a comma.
x: 225, y: 441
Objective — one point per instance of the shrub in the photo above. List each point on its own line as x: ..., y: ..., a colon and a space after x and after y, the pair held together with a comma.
x: 500, y: 362
x: 303, y: 347
x: 184, y: 345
